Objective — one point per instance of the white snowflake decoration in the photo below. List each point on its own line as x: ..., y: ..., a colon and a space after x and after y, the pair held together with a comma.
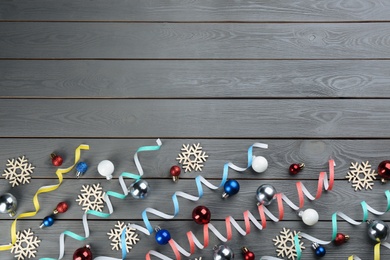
x: 26, y: 244
x: 361, y: 176
x: 91, y: 197
x: 18, y: 171
x: 115, y: 236
x: 192, y: 158
x: 285, y: 245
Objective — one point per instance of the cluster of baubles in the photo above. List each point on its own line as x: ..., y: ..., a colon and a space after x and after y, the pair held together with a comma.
x: 48, y: 221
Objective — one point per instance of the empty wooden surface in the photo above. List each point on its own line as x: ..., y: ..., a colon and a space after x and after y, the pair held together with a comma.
x: 309, y: 78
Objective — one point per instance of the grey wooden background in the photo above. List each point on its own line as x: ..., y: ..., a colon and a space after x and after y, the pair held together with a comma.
x: 310, y: 78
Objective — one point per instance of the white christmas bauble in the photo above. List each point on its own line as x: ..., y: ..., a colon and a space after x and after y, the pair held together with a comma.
x: 259, y: 164
x: 106, y: 169
x: 310, y: 217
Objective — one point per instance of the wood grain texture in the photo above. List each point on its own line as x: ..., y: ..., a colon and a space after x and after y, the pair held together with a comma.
x: 194, y: 79
x: 280, y: 154
x: 199, y: 10
x: 198, y: 118
x: 194, y: 41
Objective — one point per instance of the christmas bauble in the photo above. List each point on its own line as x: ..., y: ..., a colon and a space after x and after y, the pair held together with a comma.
x: 56, y: 160
x: 310, y: 217
x: 81, y: 168
x: 319, y: 250
x: 384, y: 170
x: 340, y: 239
x: 8, y: 204
x: 106, y: 168
x: 83, y: 253
x: 175, y: 172
x: 265, y: 194
x: 377, y: 230
x: 62, y: 207
x: 139, y: 189
x: 259, y: 164
x: 295, y: 168
x: 248, y: 255
x: 162, y: 236
x: 201, y: 215
x: 223, y: 252
x: 47, y: 222
x: 231, y: 187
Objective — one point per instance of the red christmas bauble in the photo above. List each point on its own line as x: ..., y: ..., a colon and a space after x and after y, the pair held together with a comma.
x: 201, y: 215
x: 340, y: 239
x: 56, y: 160
x: 384, y: 169
x: 295, y: 168
x: 83, y: 253
x: 62, y: 207
x: 249, y: 255
x: 175, y: 170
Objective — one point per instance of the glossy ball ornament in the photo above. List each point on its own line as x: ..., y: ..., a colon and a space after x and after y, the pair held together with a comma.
x: 47, y: 222
x: 56, y: 160
x: 318, y: 249
x: 259, y: 164
x: 201, y: 215
x: 83, y: 253
x: 175, y: 172
x: 162, y: 236
x: 340, y: 239
x: 8, y: 204
x: 81, y: 168
x: 265, y: 194
x: 295, y: 168
x: 248, y: 255
x: 377, y: 230
x: 62, y: 207
x: 384, y: 171
x: 223, y: 252
x: 310, y: 216
x: 231, y: 187
x: 139, y: 189
x: 106, y: 168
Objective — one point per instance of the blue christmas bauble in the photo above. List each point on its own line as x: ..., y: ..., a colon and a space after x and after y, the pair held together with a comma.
x: 163, y: 236
x: 231, y: 188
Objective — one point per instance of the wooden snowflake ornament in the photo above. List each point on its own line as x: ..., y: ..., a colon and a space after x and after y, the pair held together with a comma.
x: 26, y: 245
x: 285, y: 244
x: 361, y: 176
x: 115, y: 236
x: 192, y: 157
x: 18, y: 171
x: 91, y: 197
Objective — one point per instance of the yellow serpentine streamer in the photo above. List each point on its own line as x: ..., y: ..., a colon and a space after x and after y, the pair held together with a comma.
x: 43, y: 189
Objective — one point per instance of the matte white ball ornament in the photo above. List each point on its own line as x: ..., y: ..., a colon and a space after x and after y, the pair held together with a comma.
x: 106, y: 169
x: 310, y: 217
x: 259, y: 164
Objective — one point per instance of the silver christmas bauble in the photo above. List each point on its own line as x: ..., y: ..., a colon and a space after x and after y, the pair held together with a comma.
x: 377, y: 230
x: 8, y: 204
x: 223, y: 252
x: 265, y: 194
x: 139, y: 189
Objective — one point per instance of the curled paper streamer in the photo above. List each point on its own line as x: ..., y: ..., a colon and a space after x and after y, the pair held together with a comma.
x: 109, y: 206
x: 365, y: 208
x: 323, y: 183
x: 43, y: 189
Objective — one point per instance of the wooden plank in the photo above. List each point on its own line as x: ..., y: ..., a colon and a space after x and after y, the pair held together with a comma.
x: 194, y: 41
x: 342, y: 198
x: 280, y: 154
x: 200, y: 10
x: 260, y: 242
x: 199, y: 79
x: 181, y: 118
